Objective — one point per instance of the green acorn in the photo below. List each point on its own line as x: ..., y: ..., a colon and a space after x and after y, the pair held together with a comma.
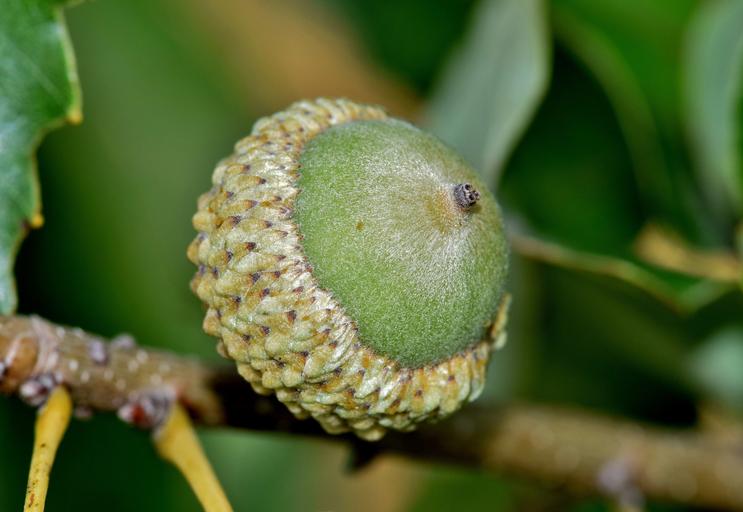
x: 354, y: 266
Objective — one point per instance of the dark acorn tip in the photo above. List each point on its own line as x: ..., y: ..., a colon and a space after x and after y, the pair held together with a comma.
x: 465, y: 195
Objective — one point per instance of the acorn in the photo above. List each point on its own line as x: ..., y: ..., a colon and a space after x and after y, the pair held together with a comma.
x: 354, y: 266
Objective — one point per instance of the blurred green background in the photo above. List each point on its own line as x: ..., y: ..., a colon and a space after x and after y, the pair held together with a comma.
x: 611, y: 130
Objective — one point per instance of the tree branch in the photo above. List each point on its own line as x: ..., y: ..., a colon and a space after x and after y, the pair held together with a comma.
x: 582, y: 452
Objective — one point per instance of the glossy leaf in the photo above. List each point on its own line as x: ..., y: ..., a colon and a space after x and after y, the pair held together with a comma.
x: 605, y: 344
x: 492, y: 86
x: 714, y: 93
x: 38, y: 90
x: 633, y: 48
x: 717, y: 365
x: 570, y: 187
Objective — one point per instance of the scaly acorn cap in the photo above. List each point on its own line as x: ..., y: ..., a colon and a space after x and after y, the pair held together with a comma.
x: 354, y: 266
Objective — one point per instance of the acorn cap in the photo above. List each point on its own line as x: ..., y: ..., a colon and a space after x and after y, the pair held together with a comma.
x: 354, y: 266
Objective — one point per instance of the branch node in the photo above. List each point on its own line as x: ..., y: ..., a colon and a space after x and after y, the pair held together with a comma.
x: 147, y: 410
x: 35, y: 391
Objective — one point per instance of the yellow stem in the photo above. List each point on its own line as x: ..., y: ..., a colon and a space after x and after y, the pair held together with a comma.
x: 177, y: 443
x: 50, y: 427
x: 660, y: 247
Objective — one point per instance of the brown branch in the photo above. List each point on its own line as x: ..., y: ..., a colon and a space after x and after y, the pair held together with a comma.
x: 36, y: 355
x: 582, y: 452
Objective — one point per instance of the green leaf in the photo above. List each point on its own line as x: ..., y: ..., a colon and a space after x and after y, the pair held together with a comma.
x: 717, y: 364
x: 681, y: 292
x: 632, y: 48
x: 38, y: 90
x: 570, y: 188
x: 603, y: 343
x: 714, y: 89
x: 445, y: 489
x: 412, y: 51
x: 493, y: 85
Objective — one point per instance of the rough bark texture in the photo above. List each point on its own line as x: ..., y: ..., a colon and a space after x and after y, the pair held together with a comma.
x: 583, y: 452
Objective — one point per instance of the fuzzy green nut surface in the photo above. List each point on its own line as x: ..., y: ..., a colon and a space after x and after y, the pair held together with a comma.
x: 421, y: 275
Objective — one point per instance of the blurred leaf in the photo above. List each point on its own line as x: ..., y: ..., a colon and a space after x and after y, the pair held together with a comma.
x: 717, y: 364
x: 493, y: 85
x: 571, y: 191
x: 680, y: 291
x: 16, y: 423
x: 263, y: 472
x: 38, y: 91
x: 632, y: 48
x: 412, y: 51
x: 570, y: 178
x: 714, y: 90
x: 604, y: 344
x: 460, y: 489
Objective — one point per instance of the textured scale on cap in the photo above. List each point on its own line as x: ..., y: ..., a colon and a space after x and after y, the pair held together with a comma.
x: 289, y: 335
